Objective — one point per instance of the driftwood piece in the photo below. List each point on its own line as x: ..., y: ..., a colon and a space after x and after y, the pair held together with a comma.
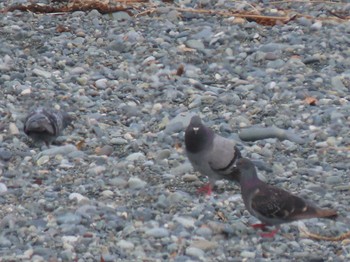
x: 258, y: 133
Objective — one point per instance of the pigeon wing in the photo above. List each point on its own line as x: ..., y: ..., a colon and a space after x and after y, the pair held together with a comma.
x: 277, y: 204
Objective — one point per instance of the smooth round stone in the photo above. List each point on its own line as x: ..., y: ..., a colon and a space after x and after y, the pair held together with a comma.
x: 43, y: 160
x: 69, y: 218
x: 3, y: 188
x: 106, y: 150
x: 316, y: 26
x: 181, y: 169
x: 334, y: 180
x: 189, y: 178
x: 13, y: 129
x: 59, y: 150
x: 143, y: 214
x: 185, y: 221
x: 118, y: 141
x: 163, y: 154
x: 136, y: 183
x: 248, y: 254
x: 195, y: 44
x: 121, y: 16
x: 77, y: 196
x: 123, y: 244
x: 4, y: 242
x: 195, y: 252
x: 157, y: 232
x: 118, y: 182
x: 136, y: 156
x: 101, y: 83
x: 41, y: 73
x: 204, y: 232
x: 107, y: 193
x: 204, y: 244
x: 5, y: 154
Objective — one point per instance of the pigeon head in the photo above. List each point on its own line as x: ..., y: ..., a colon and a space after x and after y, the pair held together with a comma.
x: 46, y: 124
x: 66, y: 119
x: 246, y: 167
x: 198, y: 136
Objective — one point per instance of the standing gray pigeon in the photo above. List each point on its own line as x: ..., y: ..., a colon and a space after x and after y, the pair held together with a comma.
x: 271, y: 205
x: 44, y: 124
x: 210, y: 154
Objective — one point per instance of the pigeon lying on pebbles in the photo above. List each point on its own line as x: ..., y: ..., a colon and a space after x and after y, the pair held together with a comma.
x: 210, y: 154
x: 44, y: 124
x: 271, y: 205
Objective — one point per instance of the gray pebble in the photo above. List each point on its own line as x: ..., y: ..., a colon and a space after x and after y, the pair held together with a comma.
x: 5, y: 154
x: 136, y: 183
x: 195, y: 44
x: 181, y: 169
x: 69, y: 218
x: 59, y: 150
x: 157, y: 232
x: 136, y: 156
x: 195, y: 252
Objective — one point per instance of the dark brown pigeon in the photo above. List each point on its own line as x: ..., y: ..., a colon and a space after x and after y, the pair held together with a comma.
x: 271, y: 205
x: 45, y: 124
x: 212, y: 155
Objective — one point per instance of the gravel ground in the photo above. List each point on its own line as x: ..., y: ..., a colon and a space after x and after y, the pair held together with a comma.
x: 117, y: 186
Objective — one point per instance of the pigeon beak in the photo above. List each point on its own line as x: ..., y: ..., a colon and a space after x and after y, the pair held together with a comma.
x: 195, y: 130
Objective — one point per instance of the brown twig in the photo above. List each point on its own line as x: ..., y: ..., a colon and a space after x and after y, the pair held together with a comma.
x: 306, y: 233
x: 254, y: 16
x: 304, y: 1
x: 36, y: 8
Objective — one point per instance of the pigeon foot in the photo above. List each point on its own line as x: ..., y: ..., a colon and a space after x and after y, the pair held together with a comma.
x: 206, y: 189
x: 270, y: 234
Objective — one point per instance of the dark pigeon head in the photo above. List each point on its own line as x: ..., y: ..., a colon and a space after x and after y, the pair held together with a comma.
x: 198, y: 136
x: 66, y: 119
x: 45, y: 124
x: 246, y: 169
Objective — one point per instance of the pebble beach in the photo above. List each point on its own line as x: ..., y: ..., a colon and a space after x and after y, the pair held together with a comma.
x: 117, y: 185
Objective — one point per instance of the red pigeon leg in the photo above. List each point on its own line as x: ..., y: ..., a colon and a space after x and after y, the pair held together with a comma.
x: 206, y: 189
x: 270, y: 234
x: 261, y: 226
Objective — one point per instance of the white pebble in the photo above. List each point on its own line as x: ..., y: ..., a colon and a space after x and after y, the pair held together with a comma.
x: 123, y: 244
x: 157, y: 232
x: 247, y: 254
x: 136, y: 156
x: 317, y: 25
x: 41, y: 73
x: 13, y: 129
x: 107, y: 193
x: 43, y: 160
x: 3, y: 188
x: 185, y: 221
x: 76, y: 196
x: 101, y: 83
x: 136, y: 183
x: 26, y: 91
x: 194, y: 252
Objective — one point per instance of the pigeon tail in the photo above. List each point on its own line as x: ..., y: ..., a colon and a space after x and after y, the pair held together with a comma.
x: 327, y: 213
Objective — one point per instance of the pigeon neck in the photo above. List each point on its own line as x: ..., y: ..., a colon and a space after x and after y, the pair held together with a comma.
x: 249, y: 179
x: 250, y: 183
